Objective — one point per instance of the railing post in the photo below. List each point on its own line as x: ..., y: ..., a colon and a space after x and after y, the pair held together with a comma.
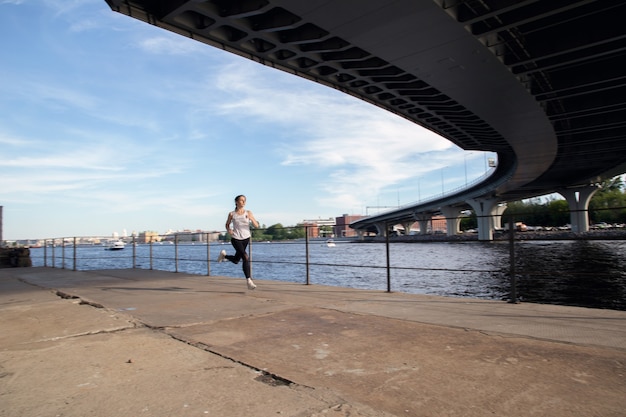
x: 208, y: 255
x: 53, y: 249
x: 306, y: 240
x: 176, y: 250
x: 134, y: 253
x: 513, y: 277
x: 63, y: 254
x: 151, y: 240
x: 388, y: 262
x: 74, y: 254
x: 45, y: 252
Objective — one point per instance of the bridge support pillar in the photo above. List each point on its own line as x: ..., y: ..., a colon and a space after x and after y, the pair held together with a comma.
x: 497, y: 216
x: 407, y: 228
x: 578, y: 201
x: 486, y: 210
x: 422, y: 220
x: 381, y: 228
x: 453, y: 219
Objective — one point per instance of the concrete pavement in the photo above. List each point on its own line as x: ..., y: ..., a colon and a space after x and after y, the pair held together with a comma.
x: 153, y: 343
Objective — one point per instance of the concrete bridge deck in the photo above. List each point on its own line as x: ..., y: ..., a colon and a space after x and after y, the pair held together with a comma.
x: 137, y: 342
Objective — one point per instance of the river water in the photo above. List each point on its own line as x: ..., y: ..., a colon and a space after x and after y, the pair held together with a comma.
x: 578, y: 273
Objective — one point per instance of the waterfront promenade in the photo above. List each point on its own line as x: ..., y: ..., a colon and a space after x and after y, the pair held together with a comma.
x: 151, y: 343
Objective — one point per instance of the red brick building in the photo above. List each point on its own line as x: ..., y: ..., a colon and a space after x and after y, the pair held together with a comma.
x: 342, y: 225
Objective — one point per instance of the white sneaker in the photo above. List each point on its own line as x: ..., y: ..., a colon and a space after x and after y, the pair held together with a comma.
x: 221, y: 256
x: 251, y: 285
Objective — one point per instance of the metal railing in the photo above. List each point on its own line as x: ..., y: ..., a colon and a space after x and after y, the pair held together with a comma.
x: 64, y: 253
x: 303, y: 260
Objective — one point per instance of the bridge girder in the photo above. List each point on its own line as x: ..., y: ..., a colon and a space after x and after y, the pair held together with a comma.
x: 539, y: 82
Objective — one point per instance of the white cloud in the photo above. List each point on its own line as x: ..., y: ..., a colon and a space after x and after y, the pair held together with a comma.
x: 363, y: 148
x: 169, y: 45
x: 10, y: 140
x: 85, y: 25
x: 49, y: 94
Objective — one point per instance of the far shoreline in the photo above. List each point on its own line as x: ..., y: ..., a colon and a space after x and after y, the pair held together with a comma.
x: 504, y: 236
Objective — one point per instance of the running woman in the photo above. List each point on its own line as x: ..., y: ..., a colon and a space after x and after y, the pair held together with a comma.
x: 238, y: 225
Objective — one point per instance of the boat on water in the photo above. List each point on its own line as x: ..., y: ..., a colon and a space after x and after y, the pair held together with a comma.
x: 117, y: 245
x: 330, y: 243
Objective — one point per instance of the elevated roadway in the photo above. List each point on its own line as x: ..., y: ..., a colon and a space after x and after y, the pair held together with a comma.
x: 540, y: 82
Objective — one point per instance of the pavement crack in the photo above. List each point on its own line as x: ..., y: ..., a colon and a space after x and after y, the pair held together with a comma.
x: 90, y: 333
x: 265, y: 377
x: 67, y: 296
x: 90, y: 303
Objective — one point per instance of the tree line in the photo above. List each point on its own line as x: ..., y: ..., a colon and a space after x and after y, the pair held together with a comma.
x: 274, y: 232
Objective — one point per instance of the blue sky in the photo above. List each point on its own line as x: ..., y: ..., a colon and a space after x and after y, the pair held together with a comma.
x: 109, y: 124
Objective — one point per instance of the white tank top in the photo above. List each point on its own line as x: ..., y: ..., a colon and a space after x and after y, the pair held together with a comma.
x: 241, y: 225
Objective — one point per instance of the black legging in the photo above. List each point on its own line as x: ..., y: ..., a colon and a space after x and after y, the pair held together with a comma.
x: 240, y: 253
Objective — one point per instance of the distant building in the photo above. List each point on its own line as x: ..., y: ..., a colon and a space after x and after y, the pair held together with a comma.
x: 342, y: 225
x: 438, y: 224
x: 191, y: 236
x: 312, y: 229
x: 331, y: 227
x: 320, y: 222
x: 148, y: 237
x: 319, y: 227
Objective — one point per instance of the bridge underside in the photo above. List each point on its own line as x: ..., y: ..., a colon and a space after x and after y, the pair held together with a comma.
x: 542, y: 83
